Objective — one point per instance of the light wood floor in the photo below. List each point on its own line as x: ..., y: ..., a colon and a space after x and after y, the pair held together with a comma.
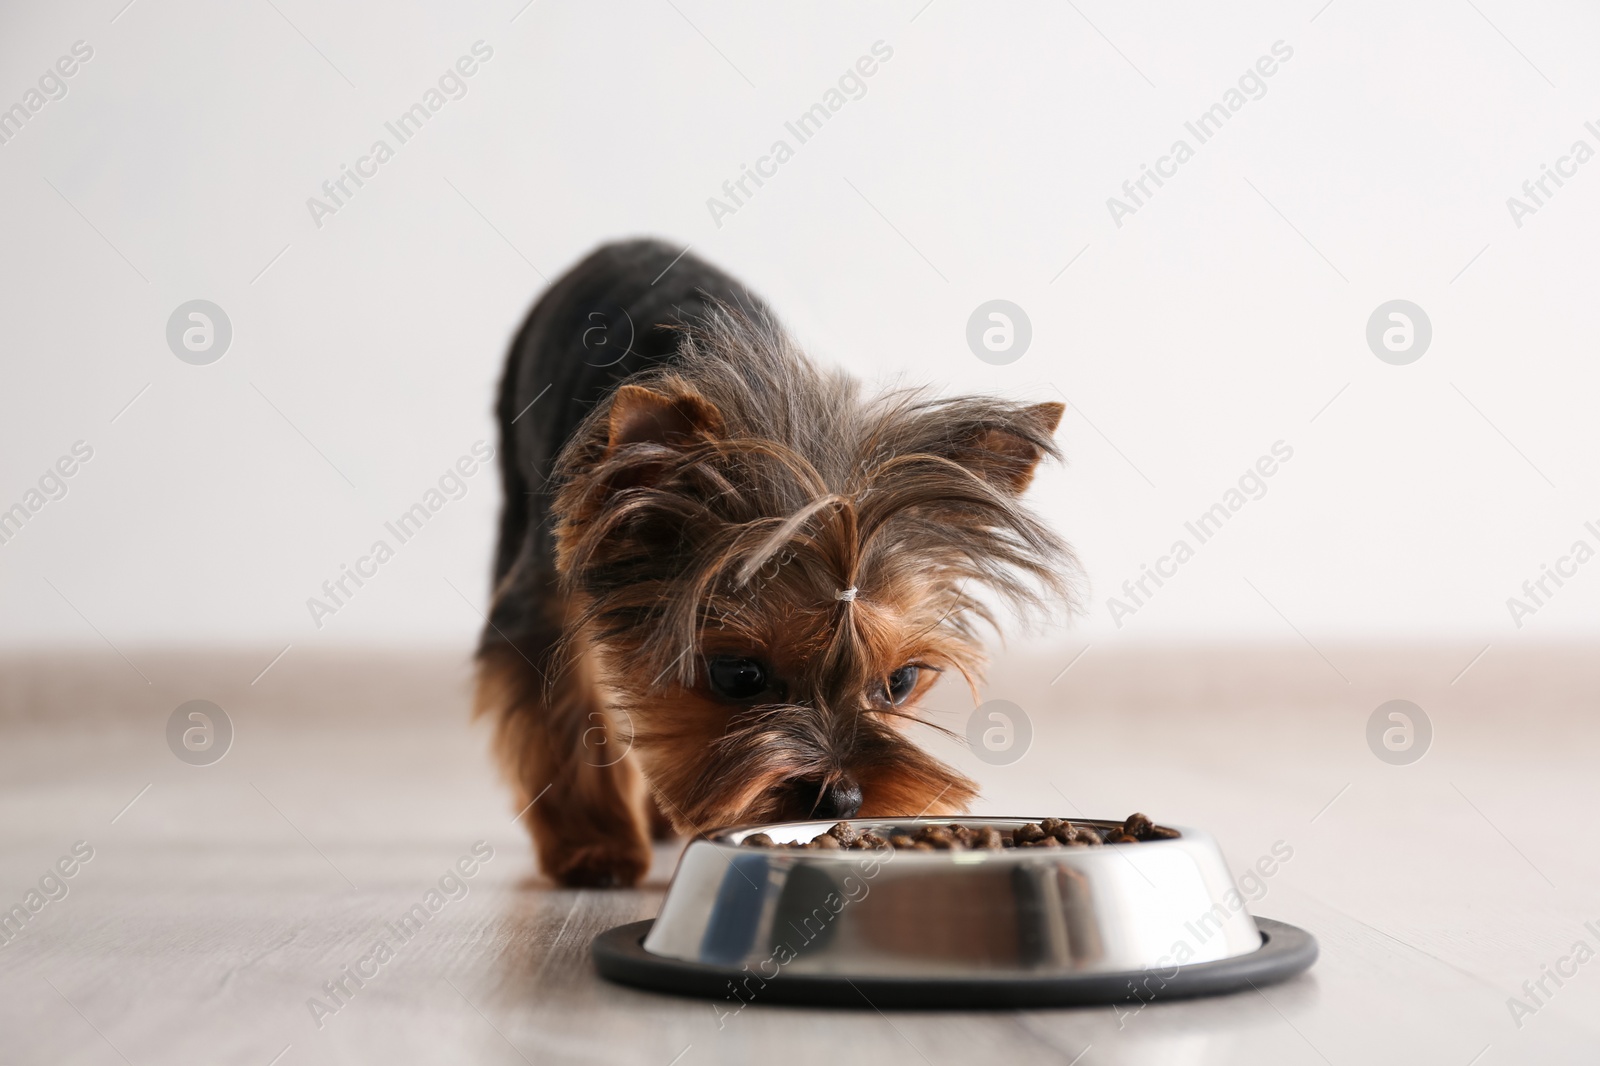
x: 226, y: 896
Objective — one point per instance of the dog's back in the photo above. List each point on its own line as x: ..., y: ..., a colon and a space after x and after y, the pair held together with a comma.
x: 611, y: 316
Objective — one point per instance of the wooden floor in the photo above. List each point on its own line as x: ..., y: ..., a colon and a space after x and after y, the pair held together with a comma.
x: 221, y: 899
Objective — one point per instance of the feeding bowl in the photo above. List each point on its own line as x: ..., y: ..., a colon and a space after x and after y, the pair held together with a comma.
x: 1006, y: 927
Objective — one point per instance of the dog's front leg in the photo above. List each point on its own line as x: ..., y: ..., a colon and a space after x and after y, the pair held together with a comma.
x: 582, y: 795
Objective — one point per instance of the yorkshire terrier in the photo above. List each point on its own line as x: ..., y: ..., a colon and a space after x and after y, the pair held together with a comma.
x: 725, y: 577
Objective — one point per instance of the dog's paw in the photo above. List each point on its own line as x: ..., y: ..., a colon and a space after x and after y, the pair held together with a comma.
x: 606, y: 865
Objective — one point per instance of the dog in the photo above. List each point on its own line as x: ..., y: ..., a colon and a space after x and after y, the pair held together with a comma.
x: 725, y: 577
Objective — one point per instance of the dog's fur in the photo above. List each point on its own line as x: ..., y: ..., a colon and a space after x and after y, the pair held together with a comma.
x: 681, y: 483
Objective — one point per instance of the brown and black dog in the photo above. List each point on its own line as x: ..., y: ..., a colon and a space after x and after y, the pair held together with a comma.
x: 725, y: 577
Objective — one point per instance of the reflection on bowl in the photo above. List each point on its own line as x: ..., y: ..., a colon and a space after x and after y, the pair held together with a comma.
x: 886, y: 913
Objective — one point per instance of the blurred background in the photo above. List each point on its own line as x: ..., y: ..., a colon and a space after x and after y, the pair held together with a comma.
x: 1191, y: 330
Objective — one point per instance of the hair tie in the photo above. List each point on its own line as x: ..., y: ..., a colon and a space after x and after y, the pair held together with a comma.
x: 846, y: 595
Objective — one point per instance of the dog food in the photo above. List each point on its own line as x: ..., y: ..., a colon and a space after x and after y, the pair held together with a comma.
x: 1048, y: 833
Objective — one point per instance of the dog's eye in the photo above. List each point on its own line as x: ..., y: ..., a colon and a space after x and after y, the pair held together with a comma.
x: 736, y: 679
x: 901, y: 682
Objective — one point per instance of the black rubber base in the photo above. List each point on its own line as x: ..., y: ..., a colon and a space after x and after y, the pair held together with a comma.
x: 1285, y: 951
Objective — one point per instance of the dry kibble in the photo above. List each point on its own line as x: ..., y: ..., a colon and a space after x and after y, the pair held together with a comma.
x: 1027, y: 834
x: 935, y: 836
x: 1137, y: 826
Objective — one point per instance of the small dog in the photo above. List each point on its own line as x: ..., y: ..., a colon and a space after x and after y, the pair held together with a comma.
x: 724, y: 577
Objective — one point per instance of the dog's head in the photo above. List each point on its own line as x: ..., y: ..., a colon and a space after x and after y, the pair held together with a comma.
x: 770, y: 572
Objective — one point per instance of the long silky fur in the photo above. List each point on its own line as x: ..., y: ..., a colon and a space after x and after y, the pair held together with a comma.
x: 655, y: 543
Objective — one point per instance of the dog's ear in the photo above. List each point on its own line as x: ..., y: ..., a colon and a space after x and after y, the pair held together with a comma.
x: 1005, y: 450
x: 645, y: 416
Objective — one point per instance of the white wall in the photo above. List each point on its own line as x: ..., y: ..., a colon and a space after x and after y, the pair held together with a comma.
x: 1190, y: 339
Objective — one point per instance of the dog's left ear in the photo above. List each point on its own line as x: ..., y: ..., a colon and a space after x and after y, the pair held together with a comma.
x: 1005, y: 450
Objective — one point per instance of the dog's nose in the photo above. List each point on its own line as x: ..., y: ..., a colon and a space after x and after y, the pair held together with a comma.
x: 840, y: 798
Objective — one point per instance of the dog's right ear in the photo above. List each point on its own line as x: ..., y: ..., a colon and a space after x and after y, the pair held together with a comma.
x: 1003, y: 444
x: 644, y: 416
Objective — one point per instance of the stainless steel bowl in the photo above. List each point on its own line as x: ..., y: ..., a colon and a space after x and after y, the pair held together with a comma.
x: 1082, y: 918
